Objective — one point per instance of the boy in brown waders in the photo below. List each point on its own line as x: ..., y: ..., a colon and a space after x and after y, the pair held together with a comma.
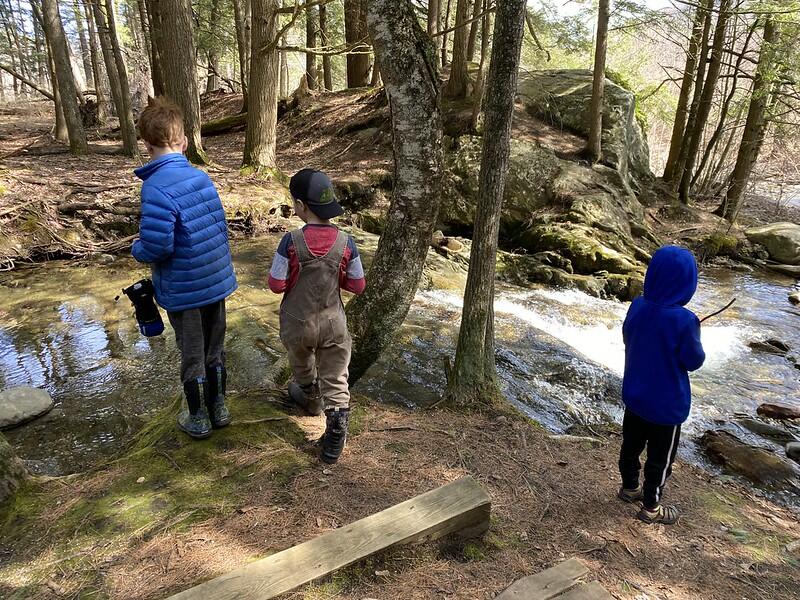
x: 310, y: 267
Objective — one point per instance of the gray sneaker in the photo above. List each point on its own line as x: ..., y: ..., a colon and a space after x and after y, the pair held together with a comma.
x: 307, y: 397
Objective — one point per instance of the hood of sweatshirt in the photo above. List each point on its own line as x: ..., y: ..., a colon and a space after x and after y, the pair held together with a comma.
x: 671, y: 278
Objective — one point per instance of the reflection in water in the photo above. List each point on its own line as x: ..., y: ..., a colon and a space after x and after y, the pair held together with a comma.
x: 559, y: 353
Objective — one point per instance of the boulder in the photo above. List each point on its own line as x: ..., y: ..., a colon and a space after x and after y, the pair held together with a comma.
x: 770, y: 347
x: 794, y: 297
x: 564, y: 97
x: 778, y: 411
x: 767, y: 430
x: 782, y: 241
x: 21, y: 404
x: 12, y: 472
x: 793, y: 451
x: 579, y: 219
x: 756, y: 464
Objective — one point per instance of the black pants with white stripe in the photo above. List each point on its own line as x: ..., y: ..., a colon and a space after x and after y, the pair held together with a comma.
x: 661, y: 442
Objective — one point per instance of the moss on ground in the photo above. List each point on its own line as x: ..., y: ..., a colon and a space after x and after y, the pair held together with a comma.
x: 165, y: 481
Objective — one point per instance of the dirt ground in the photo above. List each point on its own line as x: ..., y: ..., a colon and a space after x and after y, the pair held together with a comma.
x: 551, y: 499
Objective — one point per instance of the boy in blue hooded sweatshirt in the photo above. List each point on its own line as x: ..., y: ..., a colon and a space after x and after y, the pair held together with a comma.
x: 184, y: 236
x: 662, y: 344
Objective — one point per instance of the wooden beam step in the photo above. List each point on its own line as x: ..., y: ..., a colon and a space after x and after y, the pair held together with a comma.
x: 459, y: 507
x: 547, y: 584
x: 587, y: 591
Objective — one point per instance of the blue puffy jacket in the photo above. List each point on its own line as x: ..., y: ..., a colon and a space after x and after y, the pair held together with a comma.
x: 183, y: 234
x: 662, y: 340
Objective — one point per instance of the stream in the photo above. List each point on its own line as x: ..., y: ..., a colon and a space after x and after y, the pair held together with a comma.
x: 559, y: 352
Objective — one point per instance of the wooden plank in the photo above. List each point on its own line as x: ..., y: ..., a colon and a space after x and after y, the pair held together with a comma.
x: 547, y: 584
x: 461, y: 506
x: 587, y: 591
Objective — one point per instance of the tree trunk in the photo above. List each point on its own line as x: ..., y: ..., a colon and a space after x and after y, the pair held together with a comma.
x: 311, y: 42
x: 457, y: 83
x: 327, y: 71
x: 706, y: 100
x: 212, y: 81
x: 691, y: 119
x: 54, y: 31
x: 241, y: 15
x: 262, y: 114
x: 156, y: 65
x: 755, y: 127
x: 144, y: 23
x: 124, y: 109
x: 85, y: 53
x: 357, y: 38
x: 434, y: 16
x: 61, y: 133
x: 599, y: 82
x: 732, y: 87
x: 473, y: 29
x: 175, y: 42
x: 445, y: 27
x: 473, y: 378
x: 700, y: 18
x: 108, y: 55
x: 404, y: 53
x: 100, y: 87
x: 284, y: 71
x: 41, y: 50
x: 18, y: 76
x: 480, y: 86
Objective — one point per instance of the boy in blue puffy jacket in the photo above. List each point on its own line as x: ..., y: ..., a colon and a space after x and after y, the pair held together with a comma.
x: 184, y: 236
x: 662, y: 344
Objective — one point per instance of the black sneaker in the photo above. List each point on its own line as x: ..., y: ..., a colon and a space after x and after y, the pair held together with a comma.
x: 219, y: 414
x: 335, y: 434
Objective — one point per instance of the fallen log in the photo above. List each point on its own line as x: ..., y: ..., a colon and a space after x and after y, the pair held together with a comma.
x: 69, y: 208
x: 26, y: 81
x: 239, y: 122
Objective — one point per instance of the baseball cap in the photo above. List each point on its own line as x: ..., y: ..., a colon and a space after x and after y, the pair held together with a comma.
x: 314, y: 189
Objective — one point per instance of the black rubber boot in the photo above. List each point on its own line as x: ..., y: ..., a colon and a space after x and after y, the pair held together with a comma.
x: 307, y: 397
x: 219, y: 414
x: 194, y: 419
x: 335, y: 434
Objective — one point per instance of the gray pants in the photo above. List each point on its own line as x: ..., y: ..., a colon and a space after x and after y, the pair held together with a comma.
x: 200, y: 335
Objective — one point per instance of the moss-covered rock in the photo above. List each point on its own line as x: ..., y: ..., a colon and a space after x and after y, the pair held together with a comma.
x: 564, y: 97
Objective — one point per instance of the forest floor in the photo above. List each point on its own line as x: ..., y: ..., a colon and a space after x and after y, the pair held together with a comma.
x: 204, y: 508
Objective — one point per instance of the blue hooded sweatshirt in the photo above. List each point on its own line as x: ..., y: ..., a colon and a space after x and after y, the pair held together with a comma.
x: 183, y: 234
x: 662, y: 340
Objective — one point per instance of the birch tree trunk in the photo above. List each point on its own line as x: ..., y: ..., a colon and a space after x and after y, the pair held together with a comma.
x: 405, y: 56
x: 54, y: 31
x: 599, y: 82
x: 473, y: 378
x: 262, y: 113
